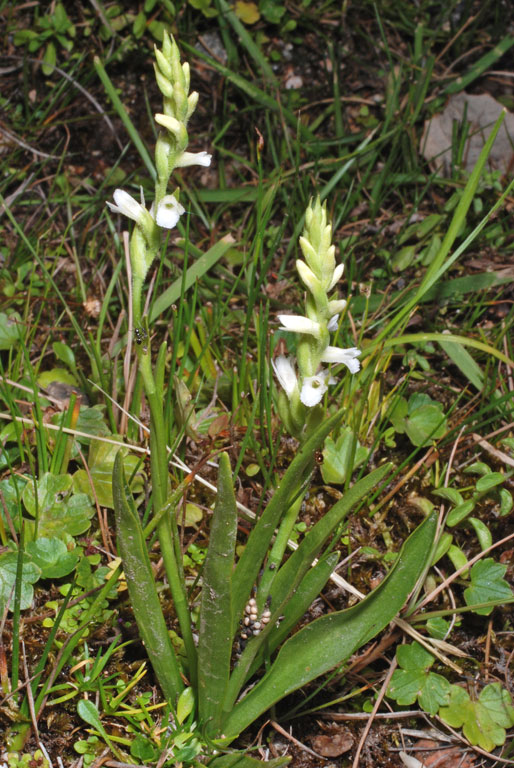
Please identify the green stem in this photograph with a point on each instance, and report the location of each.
(166, 530)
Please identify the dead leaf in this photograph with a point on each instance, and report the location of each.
(447, 757)
(333, 745)
(481, 112)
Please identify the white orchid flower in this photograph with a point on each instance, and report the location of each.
(126, 205)
(347, 357)
(299, 324)
(313, 388)
(285, 373)
(333, 323)
(193, 158)
(169, 212)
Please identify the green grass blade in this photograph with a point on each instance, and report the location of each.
(459, 355)
(439, 265)
(445, 338)
(256, 94)
(239, 760)
(246, 40)
(215, 622)
(481, 66)
(124, 117)
(198, 268)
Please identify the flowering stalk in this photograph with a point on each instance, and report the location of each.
(170, 153)
(300, 397)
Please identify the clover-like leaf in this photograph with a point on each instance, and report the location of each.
(30, 573)
(337, 454)
(487, 583)
(12, 488)
(52, 557)
(425, 424)
(498, 703)
(58, 511)
(481, 720)
(11, 327)
(101, 463)
(414, 681)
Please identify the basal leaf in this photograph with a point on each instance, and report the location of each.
(425, 424)
(498, 703)
(332, 639)
(487, 583)
(101, 463)
(215, 622)
(415, 682)
(58, 511)
(12, 490)
(29, 575)
(337, 455)
(478, 718)
(52, 556)
(10, 330)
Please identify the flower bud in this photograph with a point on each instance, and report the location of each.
(163, 83)
(308, 277)
(170, 123)
(187, 75)
(192, 101)
(310, 255)
(337, 275)
(336, 306)
(163, 64)
(285, 373)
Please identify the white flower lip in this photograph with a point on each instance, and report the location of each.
(194, 158)
(285, 373)
(169, 212)
(299, 324)
(333, 323)
(347, 357)
(313, 389)
(126, 205)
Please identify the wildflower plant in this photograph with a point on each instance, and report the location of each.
(249, 605)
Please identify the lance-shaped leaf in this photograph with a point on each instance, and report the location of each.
(238, 760)
(289, 578)
(215, 625)
(141, 586)
(332, 639)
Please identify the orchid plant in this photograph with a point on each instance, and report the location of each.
(236, 659)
